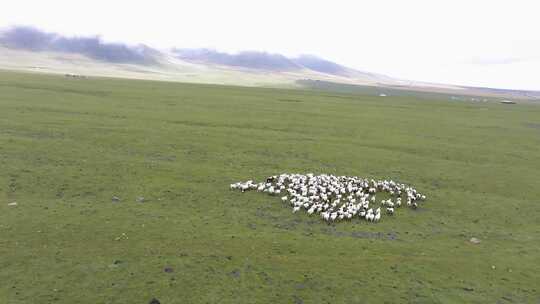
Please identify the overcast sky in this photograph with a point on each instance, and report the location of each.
(474, 42)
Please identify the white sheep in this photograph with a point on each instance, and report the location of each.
(323, 193)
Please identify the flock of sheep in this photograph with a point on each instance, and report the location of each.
(336, 198)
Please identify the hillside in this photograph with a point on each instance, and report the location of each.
(29, 49)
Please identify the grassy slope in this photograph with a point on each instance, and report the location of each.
(68, 145)
(61, 63)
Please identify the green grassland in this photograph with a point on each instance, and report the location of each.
(67, 146)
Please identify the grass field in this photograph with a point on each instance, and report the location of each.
(67, 146)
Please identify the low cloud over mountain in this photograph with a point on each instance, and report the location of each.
(248, 59)
(31, 39)
(35, 40)
(266, 61)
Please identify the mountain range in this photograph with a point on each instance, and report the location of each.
(30, 49)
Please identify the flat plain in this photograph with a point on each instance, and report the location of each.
(121, 191)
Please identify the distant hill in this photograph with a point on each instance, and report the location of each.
(30, 49)
(269, 62)
(323, 66)
(247, 59)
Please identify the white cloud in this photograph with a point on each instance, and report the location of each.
(436, 41)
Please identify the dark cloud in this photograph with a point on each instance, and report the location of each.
(28, 38)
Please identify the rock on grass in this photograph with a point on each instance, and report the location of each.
(474, 240)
